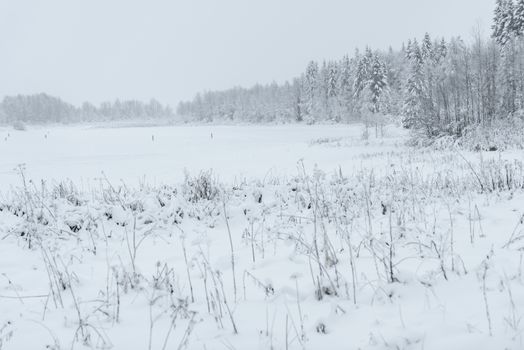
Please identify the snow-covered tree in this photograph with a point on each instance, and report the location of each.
(519, 18)
(345, 86)
(503, 22)
(311, 88)
(427, 48)
(377, 83)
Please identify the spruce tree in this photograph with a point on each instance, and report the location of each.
(360, 77)
(442, 49)
(503, 22)
(427, 48)
(416, 53)
(509, 19)
(332, 80)
(344, 81)
(497, 26)
(311, 85)
(323, 90)
(345, 85)
(409, 50)
(414, 88)
(519, 18)
(377, 82)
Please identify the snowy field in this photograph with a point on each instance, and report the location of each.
(161, 154)
(303, 237)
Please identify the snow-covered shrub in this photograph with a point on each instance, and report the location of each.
(203, 186)
(500, 175)
(68, 191)
(20, 126)
(500, 135)
(325, 141)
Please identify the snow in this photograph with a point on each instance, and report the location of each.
(72, 278)
(83, 153)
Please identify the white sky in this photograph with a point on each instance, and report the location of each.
(103, 49)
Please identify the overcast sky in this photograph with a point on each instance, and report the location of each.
(103, 49)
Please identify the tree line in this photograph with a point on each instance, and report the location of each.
(436, 86)
(42, 108)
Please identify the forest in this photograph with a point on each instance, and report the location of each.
(43, 108)
(436, 86)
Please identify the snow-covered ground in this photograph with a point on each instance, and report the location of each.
(379, 246)
(162, 153)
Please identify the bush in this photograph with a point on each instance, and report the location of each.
(497, 136)
(18, 125)
(204, 186)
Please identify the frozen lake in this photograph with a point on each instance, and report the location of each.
(161, 154)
